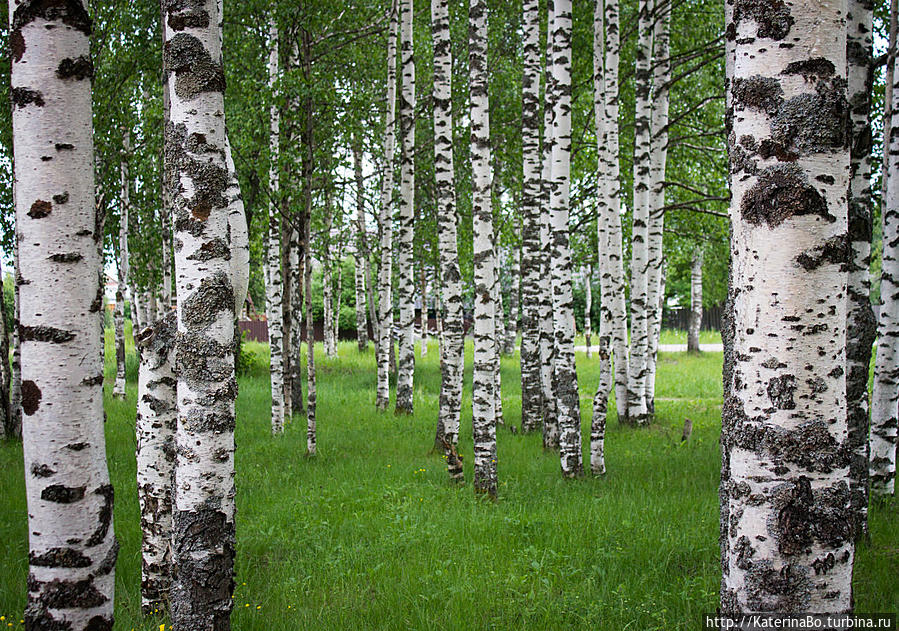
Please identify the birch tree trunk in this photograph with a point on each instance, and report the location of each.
(567, 398)
(157, 415)
(788, 533)
(511, 336)
(640, 305)
(612, 288)
(601, 397)
(451, 343)
(405, 278)
(423, 322)
(296, 254)
(328, 285)
(385, 272)
(15, 386)
(338, 299)
(7, 424)
(861, 323)
(658, 164)
(311, 431)
(197, 179)
(547, 341)
(71, 543)
(484, 380)
(274, 291)
(531, 198)
(240, 235)
(498, 333)
(695, 303)
(588, 306)
(118, 390)
(885, 396)
(360, 258)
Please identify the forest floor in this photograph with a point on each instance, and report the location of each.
(370, 534)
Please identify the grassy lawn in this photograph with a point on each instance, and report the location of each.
(370, 534)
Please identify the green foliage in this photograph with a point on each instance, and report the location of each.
(245, 359)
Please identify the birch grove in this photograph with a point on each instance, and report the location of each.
(72, 547)
(789, 536)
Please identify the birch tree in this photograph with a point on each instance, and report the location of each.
(405, 278)
(157, 414)
(118, 390)
(71, 542)
(197, 178)
(484, 380)
(311, 391)
(531, 255)
(273, 294)
(787, 537)
(360, 255)
(565, 374)
(588, 306)
(661, 70)
(511, 336)
(861, 323)
(640, 305)
(695, 303)
(385, 271)
(451, 344)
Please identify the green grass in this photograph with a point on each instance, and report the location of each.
(372, 535)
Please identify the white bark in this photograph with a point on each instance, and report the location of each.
(118, 390)
(637, 412)
(157, 415)
(588, 307)
(695, 303)
(547, 338)
(71, 541)
(423, 321)
(240, 236)
(360, 252)
(531, 254)
(197, 178)
(450, 328)
(788, 536)
(483, 397)
(274, 306)
(567, 398)
(885, 395)
(511, 336)
(385, 272)
(405, 271)
(656, 198)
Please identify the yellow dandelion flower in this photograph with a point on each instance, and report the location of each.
(258, 606)
(247, 605)
(162, 627)
(2, 618)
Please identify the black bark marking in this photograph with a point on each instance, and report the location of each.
(826, 179)
(31, 397)
(758, 92)
(768, 589)
(40, 209)
(193, 19)
(92, 381)
(77, 446)
(66, 257)
(817, 67)
(772, 17)
(58, 594)
(64, 146)
(781, 390)
(781, 192)
(99, 623)
(79, 68)
(62, 198)
(70, 12)
(835, 250)
(215, 249)
(203, 591)
(23, 96)
(60, 557)
(16, 45)
(41, 471)
(806, 516)
(38, 619)
(769, 148)
(104, 517)
(814, 123)
(214, 295)
(45, 334)
(195, 71)
(810, 446)
(62, 494)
